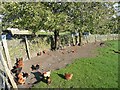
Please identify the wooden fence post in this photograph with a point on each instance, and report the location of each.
(27, 48)
(14, 85)
(5, 46)
(95, 38)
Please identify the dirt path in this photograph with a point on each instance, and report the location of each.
(54, 60)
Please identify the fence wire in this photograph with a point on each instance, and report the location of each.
(17, 46)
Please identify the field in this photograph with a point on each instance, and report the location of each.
(98, 72)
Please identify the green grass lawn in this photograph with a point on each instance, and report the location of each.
(98, 72)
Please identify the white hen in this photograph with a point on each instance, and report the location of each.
(47, 74)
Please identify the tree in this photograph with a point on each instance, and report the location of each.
(24, 15)
(56, 20)
(93, 17)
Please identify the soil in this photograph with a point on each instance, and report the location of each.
(54, 60)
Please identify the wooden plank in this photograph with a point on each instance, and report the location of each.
(27, 48)
(5, 46)
(14, 85)
(21, 32)
(16, 31)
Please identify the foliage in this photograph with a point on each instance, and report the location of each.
(24, 15)
(94, 17)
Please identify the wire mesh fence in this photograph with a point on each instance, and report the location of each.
(17, 46)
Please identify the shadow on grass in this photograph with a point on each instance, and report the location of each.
(61, 75)
(39, 77)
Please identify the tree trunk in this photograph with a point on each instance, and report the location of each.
(80, 36)
(72, 40)
(56, 36)
(52, 42)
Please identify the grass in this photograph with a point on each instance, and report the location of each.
(98, 72)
